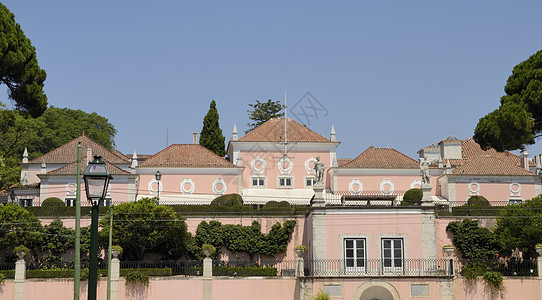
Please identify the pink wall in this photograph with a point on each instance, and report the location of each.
(494, 191)
(517, 288)
(171, 183)
(371, 225)
(371, 183)
(119, 192)
(272, 170)
(250, 289)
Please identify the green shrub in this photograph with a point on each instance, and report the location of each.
(228, 200)
(412, 197)
(208, 250)
(321, 295)
(478, 201)
(53, 202)
(2, 277)
(493, 279)
(21, 248)
(135, 277)
(277, 206)
(244, 271)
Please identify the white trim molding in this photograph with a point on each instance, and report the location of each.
(255, 170)
(69, 187)
(383, 184)
(515, 189)
(224, 186)
(151, 183)
(416, 182)
(310, 171)
(192, 186)
(474, 188)
(355, 182)
(280, 164)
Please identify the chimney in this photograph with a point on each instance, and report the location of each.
(524, 159)
(43, 168)
(89, 155)
(195, 139)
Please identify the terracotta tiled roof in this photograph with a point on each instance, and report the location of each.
(67, 153)
(186, 156)
(381, 158)
(490, 165)
(71, 169)
(450, 138)
(342, 161)
(273, 131)
(470, 150)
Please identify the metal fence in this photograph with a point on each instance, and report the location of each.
(377, 198)
(507, 267)
(7, 266)
(376, 267)
(254, 268)
(181, 267)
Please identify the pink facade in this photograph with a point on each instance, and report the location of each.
(175, 182)
(495, 191)
(376, 182)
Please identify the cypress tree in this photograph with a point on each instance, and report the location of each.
(211, 135)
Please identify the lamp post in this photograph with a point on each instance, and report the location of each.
(158, 176)
(96, 181)
(12, 196)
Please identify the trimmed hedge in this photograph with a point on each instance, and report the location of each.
(228, 200)
(68, 273)
(53, 202)
(412, 197)
(478, 201)
(244, 271)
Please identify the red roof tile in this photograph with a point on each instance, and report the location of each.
(67, 153)
(470, 150)
(490, 165)
(186, 156)
(381, 158)
(71, 169)
(273, 131)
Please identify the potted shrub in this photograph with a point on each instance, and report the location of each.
(116, 250)
(300, 250)
(448, 250)
(21, 251)
(208, 250)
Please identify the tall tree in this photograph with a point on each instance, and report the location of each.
(263, 111)
(19, 69)
(518, 120)
(211, 135)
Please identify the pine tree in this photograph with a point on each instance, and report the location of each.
(263, 111)
(211, 136)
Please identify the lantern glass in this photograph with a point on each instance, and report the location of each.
(96, 180)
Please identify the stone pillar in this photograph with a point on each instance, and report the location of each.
(299, 267)
(20, 272)
(318, 199)
(539, 266)
(427, 200)
(115, 275)
(207, 278)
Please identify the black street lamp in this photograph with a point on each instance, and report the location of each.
(158, 176)
(96, 182)
(12, 196)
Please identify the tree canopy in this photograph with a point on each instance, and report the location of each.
(518, 120)
(19, 69)
(143, 226)
(264, 111)
(211, 135)
(54, 128)
(520, 226)
(472, 241)
(18, 227)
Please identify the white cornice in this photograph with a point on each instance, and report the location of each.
(152, 170)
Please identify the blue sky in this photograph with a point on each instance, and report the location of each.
(400, 74)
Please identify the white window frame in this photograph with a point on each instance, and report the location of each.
(70, 201)
(307, 178)
(252, 178)
(25, 201)
(285, 186)
(359, 263)
(391, 262)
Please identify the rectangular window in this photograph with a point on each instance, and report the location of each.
(258, 181)
(70, 202)
(514, 201)
(285, 182)
(392, 255)
(26, 202)
(310, 181)
(354, 255)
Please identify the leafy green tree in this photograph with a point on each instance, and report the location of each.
(143, 226)
(520, 227)
(518, 120)
(18, 227)
(19, 69)
(211, 135)
(56, 240)
(472, 241)
(412, 197)
(261, 112)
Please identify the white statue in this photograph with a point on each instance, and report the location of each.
(424, 170)
(319, 168)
